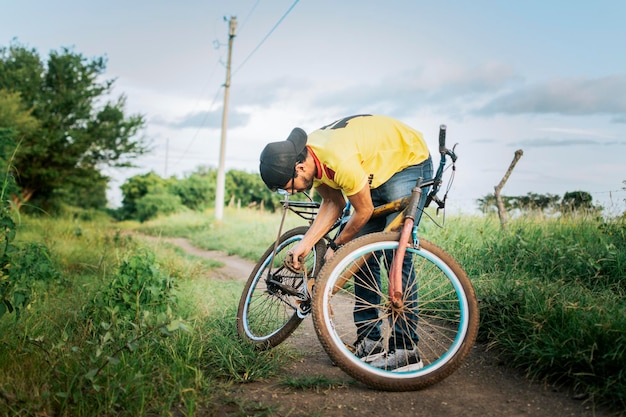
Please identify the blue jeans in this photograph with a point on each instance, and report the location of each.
(365, 313)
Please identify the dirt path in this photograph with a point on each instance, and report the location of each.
(235, 268)
(483, 386)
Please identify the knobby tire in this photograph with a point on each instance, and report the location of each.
(267, 315)
(447, 310)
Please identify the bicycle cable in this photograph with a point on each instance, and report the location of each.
(441, 203)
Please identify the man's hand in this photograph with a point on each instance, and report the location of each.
(297, 267)
(297, 255)
(329, 254)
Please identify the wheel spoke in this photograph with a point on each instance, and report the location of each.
(439, 313)
(271, 309)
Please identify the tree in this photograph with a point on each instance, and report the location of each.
(576, 201)
(88, 191)
(572, 201)
(135, 188)
(14, 115)
(13, 119)
(533, 201)
(80, 129)
(249, 189)
(197, 191)
(156, 202)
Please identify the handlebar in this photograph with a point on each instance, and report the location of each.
(442, 144)
(442, 139)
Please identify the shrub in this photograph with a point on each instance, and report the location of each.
(158, 202)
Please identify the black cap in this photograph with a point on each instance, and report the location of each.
(278, 159)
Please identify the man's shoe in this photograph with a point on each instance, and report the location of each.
(368, 349)
(400, 360)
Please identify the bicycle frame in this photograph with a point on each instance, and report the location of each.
(409, 226)
(395, 275)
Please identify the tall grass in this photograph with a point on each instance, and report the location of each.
(243, 232)
(552, 290)
(101, 344)
(551, 295)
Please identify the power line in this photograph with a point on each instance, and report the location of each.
(608, 192)
(202, 124)
(206, 116)
(241, 26)
(266, 36)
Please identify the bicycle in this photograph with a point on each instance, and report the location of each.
(270, 309)
(276, 299)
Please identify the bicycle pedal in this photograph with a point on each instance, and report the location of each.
(303, 308)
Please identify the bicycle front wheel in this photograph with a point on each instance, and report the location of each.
(275, 301)
(435, 327)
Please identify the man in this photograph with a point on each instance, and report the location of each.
(371, 160)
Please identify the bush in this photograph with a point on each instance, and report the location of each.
(552, 297)
(26, 270)
(139, 293)
(157, 203)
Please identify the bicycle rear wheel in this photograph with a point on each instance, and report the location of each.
(446, 310)
(273, 305)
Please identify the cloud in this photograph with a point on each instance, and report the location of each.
(211, 119)
(547, 142)
(264, 94)
(576, 132)
(571, 97)
(451, 82)
(437, 86)
(485, 141)
(244, 99)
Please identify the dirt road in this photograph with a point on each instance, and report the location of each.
(483, 386)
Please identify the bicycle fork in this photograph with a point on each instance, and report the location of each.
(395, 275)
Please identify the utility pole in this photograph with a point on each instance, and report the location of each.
(167, 151)
(221, 174)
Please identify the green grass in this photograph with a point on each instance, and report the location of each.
(75, 352)
(552, 298)
(246, 233)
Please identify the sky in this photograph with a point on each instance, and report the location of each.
(544, 76)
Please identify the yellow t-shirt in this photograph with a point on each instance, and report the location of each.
(358, 149)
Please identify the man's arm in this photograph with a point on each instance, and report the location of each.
(333, 203)
(363, 209)
(330, 210)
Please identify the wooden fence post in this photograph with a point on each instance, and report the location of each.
(498, 188)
